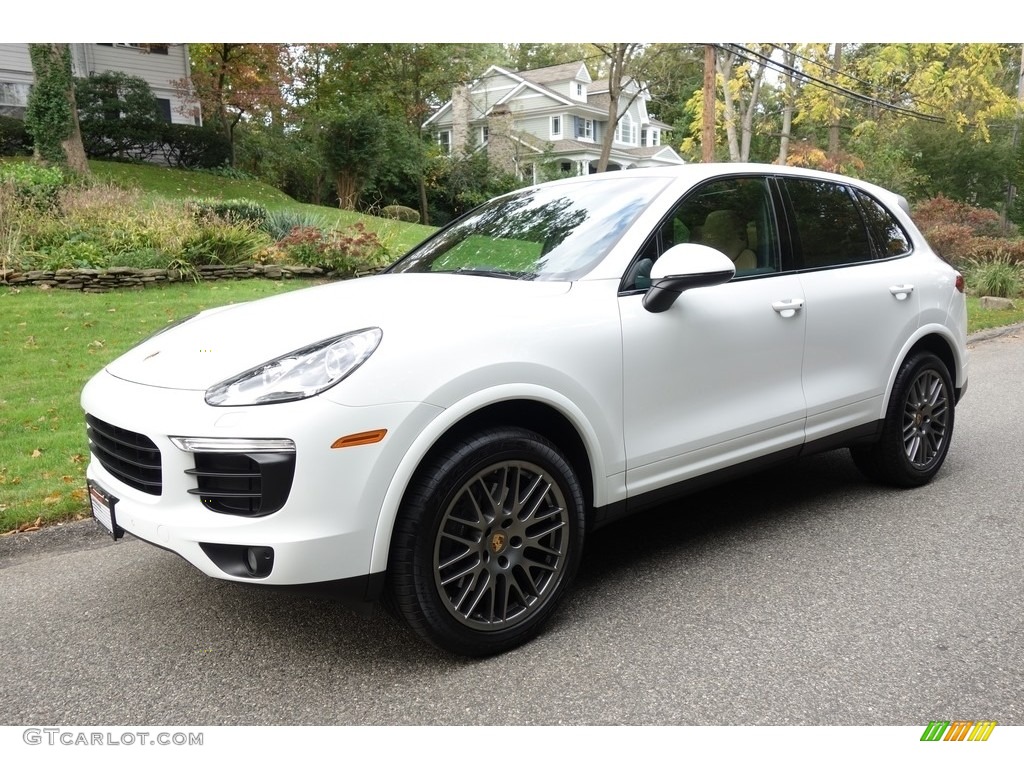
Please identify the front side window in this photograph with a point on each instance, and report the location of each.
(444, 139)
(734, 216)
(829, 229)
(556, 127)
(544, 233)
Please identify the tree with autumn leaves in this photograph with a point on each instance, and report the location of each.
(888, 112)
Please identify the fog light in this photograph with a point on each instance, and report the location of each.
(259, 560)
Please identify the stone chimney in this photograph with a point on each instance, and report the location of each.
(461, 106)
(501, 149)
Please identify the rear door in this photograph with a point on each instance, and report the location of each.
(862, 300)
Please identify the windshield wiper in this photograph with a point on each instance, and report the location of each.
(494, 272)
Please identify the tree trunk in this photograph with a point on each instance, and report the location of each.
(52, 115)
(833, 131)
(347, 188)
(723, 65)
(707, 134)
(789, 59)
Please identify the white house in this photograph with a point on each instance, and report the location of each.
(552, 115)
(159, 64)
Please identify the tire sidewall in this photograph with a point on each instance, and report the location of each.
(432, 492)
(906, 472)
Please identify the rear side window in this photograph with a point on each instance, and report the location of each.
(891, 239)
(827, 224)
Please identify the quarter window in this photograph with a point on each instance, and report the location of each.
(888, 234)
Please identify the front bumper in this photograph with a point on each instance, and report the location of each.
(325, 529)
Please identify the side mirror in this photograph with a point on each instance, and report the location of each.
(683, 267)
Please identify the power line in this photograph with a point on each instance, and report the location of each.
(754, 57)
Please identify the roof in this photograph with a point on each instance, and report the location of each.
(557, 74)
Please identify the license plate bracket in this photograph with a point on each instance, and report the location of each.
(103, 503)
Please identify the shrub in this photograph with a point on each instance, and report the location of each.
(14, 137)
(228, 210)
(33, 185)
(117, 114)
(278, 224)
(999, 277)
(194, 147)
(344, 252)
(938, 211)
(223, 243)
(75, 253)
(401, 213)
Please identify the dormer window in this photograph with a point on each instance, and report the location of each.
(579, 91)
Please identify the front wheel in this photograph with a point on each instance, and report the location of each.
(918, 426)
(487, 541)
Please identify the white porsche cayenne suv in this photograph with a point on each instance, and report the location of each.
(446, 434)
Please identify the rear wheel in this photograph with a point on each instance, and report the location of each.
(918, 426)
(487, 542)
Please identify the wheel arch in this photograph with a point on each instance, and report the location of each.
(938, 343)
(543, 413)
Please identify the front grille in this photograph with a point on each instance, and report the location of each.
(249, 484)
(132, 458)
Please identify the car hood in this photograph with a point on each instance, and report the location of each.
(224, 342)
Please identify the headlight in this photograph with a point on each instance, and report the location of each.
(299, 374)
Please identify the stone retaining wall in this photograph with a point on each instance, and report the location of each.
(101, 280)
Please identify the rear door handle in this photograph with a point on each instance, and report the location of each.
(901, 292)
(788, 307)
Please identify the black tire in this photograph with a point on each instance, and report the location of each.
(917, 428)
(488, 539)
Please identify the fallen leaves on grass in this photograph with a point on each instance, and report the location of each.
(36, 453)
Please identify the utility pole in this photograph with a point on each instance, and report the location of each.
(707, 134)
(833, 130)
(1011, 187)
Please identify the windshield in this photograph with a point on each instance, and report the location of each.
(557, 232)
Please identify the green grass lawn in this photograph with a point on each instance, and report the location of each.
(51, 343)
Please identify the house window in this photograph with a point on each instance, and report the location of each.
(163, 109)
(484, 135)
(580, 92)
(444, 138)
(624, 130)
(556, 127)
(161, 48)
(584, 129)
(649, 137)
